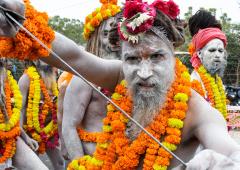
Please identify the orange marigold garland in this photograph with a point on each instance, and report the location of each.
(93, 20)
(214, 89)
(196, 85)
(44, 132)
(23, 46)
(10, 130)
(116, 151)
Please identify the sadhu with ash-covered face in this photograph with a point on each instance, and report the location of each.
(179, 116)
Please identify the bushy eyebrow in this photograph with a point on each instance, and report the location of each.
(160, 51)
(126, 55)
(132, 53)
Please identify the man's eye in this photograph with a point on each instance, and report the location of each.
(220, 50)
(132, 59)
(212, 50)
(157, 57)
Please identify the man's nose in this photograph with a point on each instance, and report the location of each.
(145, 72)
(218, 54)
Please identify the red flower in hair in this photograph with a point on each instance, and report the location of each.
(173, 9)
(134, 7)
(161, 5)
(143, 27)
(138, 17)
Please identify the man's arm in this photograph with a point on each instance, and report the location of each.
(62, 90)
(17, 6)
(210, 127)
(104, 73)
(76, 101)
(24, 87)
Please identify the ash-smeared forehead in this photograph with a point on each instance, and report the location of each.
(149, 43)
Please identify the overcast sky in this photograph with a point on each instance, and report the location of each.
(80, 8)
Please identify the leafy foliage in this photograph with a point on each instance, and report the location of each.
(71, 28)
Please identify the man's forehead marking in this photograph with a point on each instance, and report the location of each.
(151, 51)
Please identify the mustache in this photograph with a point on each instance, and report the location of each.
(151, 82)
(218, 68)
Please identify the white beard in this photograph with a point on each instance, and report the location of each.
(147, 105)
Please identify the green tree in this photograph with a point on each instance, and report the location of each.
(71, 28)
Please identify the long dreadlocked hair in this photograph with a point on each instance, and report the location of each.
(94, 43)
(202, 19)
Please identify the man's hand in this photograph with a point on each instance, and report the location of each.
(7, 165)
(64, 152)
(211, 160)
(7, 27)
(32, 144)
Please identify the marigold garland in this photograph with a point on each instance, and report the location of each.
(214, 89)
(116, 151)
(23, 46)
(10, 130)
(36, 113)
(196, 85)
(93, 20)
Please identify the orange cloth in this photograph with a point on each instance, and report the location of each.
(64, 76)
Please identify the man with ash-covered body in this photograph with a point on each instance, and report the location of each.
(148, 66)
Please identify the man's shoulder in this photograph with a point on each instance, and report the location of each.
(77, 84)
(200, 111)
(24, 78)
(24, 83)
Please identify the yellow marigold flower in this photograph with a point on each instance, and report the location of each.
(108, 12)
(116, 96)
(48, 128)
(124, 119)
(159, 167)
(89, 26)
(186, 75)
(181, 97)
(123, 83)
(103, 145)
(99, 17)
(98, 9)
(74, 164)
(175, 123)
(2, 127)
(96, 162)
(107, 128)
(110, 108)
(202, 69)
(81, 167)
(7, 127)
(170, 146)
(87, 157)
